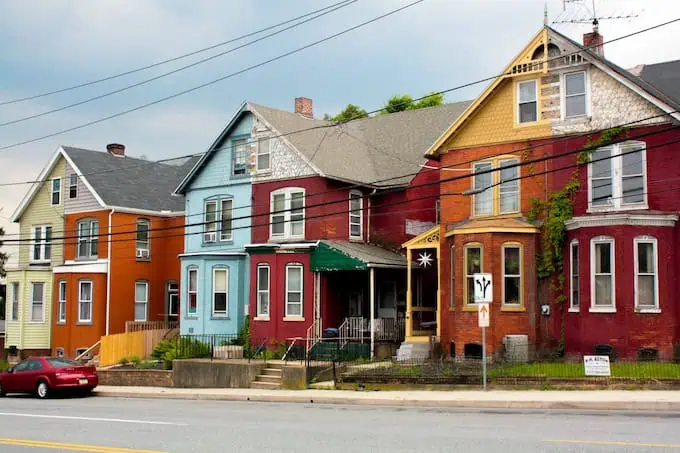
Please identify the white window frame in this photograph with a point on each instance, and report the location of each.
(43, 244)
(53, 192)
(172, 294)
(287, 192)
(586, 94)
(290, 266)
(71, 185)
(225, 313)
(617, 178)
(489, 189)
(602, 308)
(14, 305)
(61, 307)
(143, 251)
(574, 308)
(210, 235)
(518, 102)
(356, 195)
(229, 236)
(657, 306)
(189, 313)
(82, 301)
(261, 314)
(234, 155)
(512, 245)
(89, 238)
(144, 302)
(261, 152)
(497, 174)
(30, 317)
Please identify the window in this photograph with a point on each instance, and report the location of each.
(602, 276)
(143, 238)
(617, 176)
(512, 275)
(73, 186)
(14, 308)
(192, 292)
(61, 308)
(646, 274)
(220, 289)
(37, 302)
(575, 94)
(59, 352)
(473, 265)
(225, 216)
(288, 213)
(55, 198)
(574, 299)
(527, 105)
(509, 186)
(506, 198)
(263, 290)
(294, 290)
(88, 239)
(42, 244)
(141, 300)
(210, 222)
(173, 299)
(84, 301)
(239, 157)
(356, 212)
(483, 201)
(263, 154)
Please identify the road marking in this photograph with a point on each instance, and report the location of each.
(614, 443)
(91, 419)
(71, 447)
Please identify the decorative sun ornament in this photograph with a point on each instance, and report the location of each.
(425, 259)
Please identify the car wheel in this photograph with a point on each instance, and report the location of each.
(42, 390)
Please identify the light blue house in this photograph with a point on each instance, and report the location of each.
(214, 265)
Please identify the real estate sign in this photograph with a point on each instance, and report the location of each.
(597, 365)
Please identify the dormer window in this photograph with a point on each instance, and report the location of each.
(527, 102)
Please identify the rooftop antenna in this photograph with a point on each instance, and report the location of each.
(545, 14)
(590, 17)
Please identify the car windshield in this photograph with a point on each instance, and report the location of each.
(57, 363)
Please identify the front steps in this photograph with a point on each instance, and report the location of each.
(269, 378)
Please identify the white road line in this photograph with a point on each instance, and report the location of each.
(91, 419)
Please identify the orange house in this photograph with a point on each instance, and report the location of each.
(122, 239)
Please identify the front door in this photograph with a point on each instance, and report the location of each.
(355, 303)
(387, 294)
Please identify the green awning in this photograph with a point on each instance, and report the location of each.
(352, 256)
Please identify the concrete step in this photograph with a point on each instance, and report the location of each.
(272, 372)
(265, 378)
(275, 365)
(265, 385)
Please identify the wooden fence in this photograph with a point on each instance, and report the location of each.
(140, 344)
(138, 326)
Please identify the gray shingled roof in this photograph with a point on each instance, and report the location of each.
(129, 182)
(665, 77)
(367, 150)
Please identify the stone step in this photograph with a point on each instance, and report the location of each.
(265, 385)
(265, 378)
(272, 372)
(275, 365)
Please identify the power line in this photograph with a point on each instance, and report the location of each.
(170, 60)
(180, 69)
(214, 81)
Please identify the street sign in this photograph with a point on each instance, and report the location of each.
(597, 365)
(484, 314)
(483, 288)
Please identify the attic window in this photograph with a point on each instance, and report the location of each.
(240, 157)
(553, 51)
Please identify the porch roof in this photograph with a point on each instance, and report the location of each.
(496, 225)
(333, 255)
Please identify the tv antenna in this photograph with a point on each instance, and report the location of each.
(588, 15)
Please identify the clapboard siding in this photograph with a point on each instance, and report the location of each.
(84, 201)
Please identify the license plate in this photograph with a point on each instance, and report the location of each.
(82, 381)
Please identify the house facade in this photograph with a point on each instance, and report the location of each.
(218, 199)
(518, 147)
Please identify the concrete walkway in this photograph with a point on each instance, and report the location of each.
(582, 400)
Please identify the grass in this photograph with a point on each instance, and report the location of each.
(644, 370)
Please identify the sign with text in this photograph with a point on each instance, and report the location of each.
(597, 365)
(484, 312)
(483, 288)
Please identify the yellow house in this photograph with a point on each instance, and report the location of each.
(29, 285)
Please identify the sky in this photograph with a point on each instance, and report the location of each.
(435, 45)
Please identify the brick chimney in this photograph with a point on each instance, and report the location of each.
(116, 149)
(596, 40)
(303, 106)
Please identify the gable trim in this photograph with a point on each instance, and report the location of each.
(82, 177)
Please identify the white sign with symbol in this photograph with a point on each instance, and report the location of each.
(484, 314)
(597, 365)
(483, 288)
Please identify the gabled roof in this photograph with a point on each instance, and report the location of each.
(367, 150)
(663, 76)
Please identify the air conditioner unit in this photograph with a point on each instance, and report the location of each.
(516, 348)
(210, 237)
(141, 253)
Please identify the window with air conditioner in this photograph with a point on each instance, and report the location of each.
(143, 240)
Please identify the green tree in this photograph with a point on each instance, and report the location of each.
(402, 102)
(432, 100)
(351, 112)
(3, 256)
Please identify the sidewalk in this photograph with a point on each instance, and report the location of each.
(582, 400)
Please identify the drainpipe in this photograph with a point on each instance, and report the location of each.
(108, 275)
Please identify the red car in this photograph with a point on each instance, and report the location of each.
(44, 375)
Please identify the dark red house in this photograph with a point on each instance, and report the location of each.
(330, 211)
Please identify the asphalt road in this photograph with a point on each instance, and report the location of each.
(112, 425)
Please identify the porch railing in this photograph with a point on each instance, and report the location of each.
(314, 333)
(140, 326)
(358, 329)
(352, 328)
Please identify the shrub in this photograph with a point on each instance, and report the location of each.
(136, 361)
(163, 347)
(185, 348)
(124, 361)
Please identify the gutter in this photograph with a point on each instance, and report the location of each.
(108, 275)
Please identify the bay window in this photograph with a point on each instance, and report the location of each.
(602, 274)
(574, 299)
(512, 275)
(294, 291)
(472, 265)
(141, 301)
(220, 299)
(192, 292)
(84, 301)
(61, 308)
(263, 290)
(37, 302)
(646, 274)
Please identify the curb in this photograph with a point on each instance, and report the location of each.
(659, 406)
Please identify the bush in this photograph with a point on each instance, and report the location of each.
(124, 361)
(163, 347)
(185, 348)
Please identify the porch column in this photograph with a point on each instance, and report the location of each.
(409, 296)
(371, 289)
